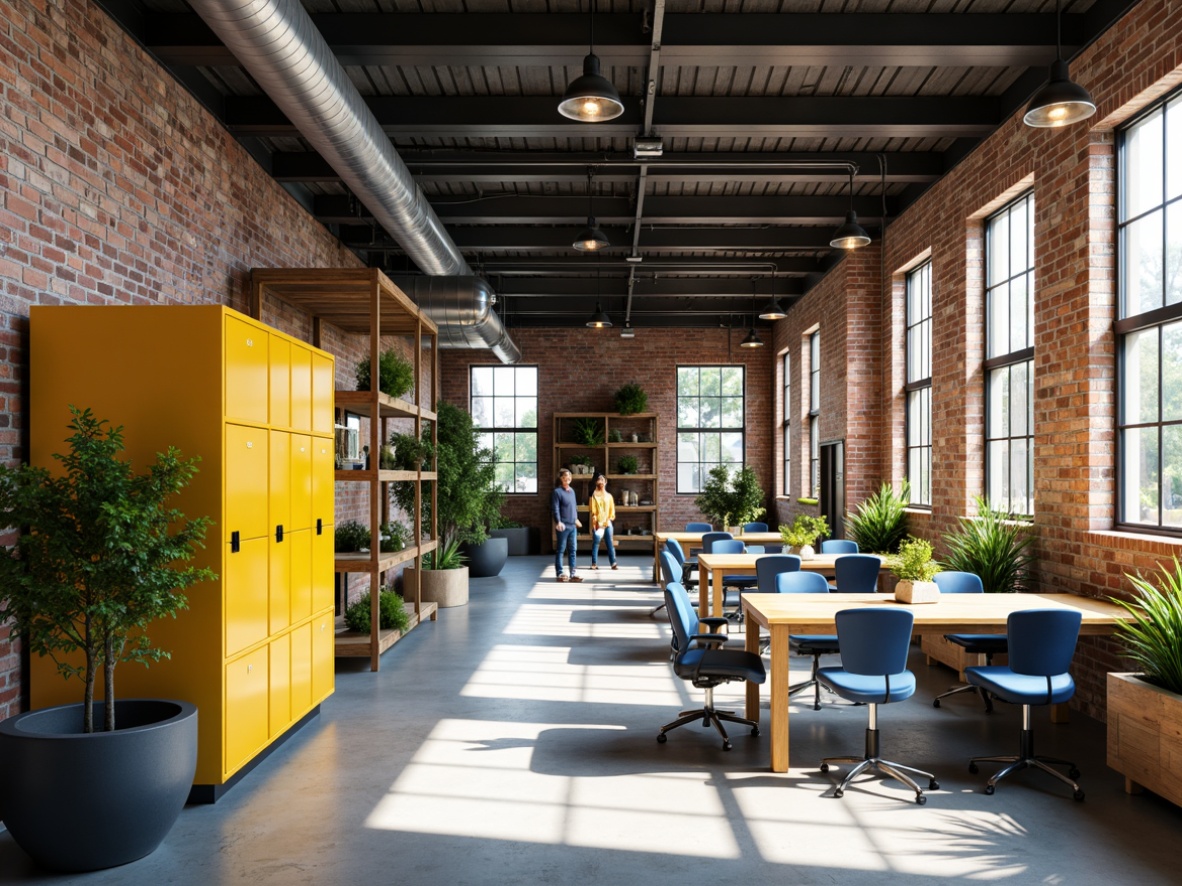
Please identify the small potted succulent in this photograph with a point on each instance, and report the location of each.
(914, 568)
(802, 534)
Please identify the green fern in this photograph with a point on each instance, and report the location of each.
(1154, 638)
(880, 523)
(994, 545)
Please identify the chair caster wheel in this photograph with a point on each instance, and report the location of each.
(839, 793)
(755, 730)
(989, 789)
(662, 738)
(935, 702)
(1073, 772)
(1078, 795)
(816, 707)
(921, 800)
(824, 767)
(726, 745)
(972, 768)
(933, 785)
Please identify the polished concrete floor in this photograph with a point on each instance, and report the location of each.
(513, 741)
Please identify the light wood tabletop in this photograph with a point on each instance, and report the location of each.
(713, 567)
(689, 540)
(785, 614)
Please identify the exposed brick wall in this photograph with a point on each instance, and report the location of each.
(579, 370)
(116, 187)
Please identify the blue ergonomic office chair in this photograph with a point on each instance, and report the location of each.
(673, 546)
(701, 660)
(988, 645)
(874, 644)
(670, 571)
(739, 583)
(839, 546)
(815, 645)
(766, 570)
(857, 573)
(1041, 646)
(698, 527)
(758, 549)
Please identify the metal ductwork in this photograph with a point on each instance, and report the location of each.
(276, 41)
(462, 308)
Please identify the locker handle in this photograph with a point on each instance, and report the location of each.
(319, 526)
(235, 542)
(279, 532)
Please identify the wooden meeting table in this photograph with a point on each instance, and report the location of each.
(690, 540)
(713, 567)
(785, 614)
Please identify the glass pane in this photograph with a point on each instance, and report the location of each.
(999, 402)
(711, 451)
(687, 413)
(998, 456)
(1173, 293)
(999, 321)
(732, 448)
(1019, 232)
(1143, 166)
(504, 448)
(1020, 332)
(711, 379)
(1141, 377)
(484, 441)
(527, 447)
(503, 476)
(732, 412)
(1171, 358)
(527, 381)
(925, 346)
(687, 477)
(504, 416)
(1142, 265)
(482, 412)
(687, 381)
(503, 380)
(482, 380)
(998, 247)
(1141, 475)
(1173, 145)
(710, 412)
(1018, 490)
(815, 391)
(1019, 405)
(527, 412)
(1171, 480)
(732, 381)
(687, 448)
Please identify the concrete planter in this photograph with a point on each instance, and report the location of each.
(444, 587)
(83, 802)
(1145, 736)
(916, 591)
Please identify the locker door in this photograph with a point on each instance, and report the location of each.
(301, 671)
(300, 581)
(279, 585)
(323, 632)
(247, 371)
(323, 389)
(323, 572)
(279, 682)
(280, 382)
(246, 482)
(279, 488)
(301, 480)
(246, 597)
(247, 707)
(301, 388)
(323, 482)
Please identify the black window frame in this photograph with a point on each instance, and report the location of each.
(786, 422)
(705, 465)
(918, 390)
(516, 431)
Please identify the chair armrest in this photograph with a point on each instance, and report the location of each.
(709, 640)
(714, 622)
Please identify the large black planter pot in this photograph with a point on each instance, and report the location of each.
(78, 802)
(487, 558)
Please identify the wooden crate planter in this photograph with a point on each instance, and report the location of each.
(937, 649)
(1145, 736)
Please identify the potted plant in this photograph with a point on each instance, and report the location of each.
(802, 534)
(351, 537)
(522, 540)
(880, 523)
(411, 452)
(914, 568)
(394, 536)
(1145, 708)
(627, 464)
(396, 375)
(994, 545)
(730, 500)
(588, 431)
(615, 436)
(631, 399)
(99, 558)
(392, 614)
(581, 464)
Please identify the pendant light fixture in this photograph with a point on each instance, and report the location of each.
(627, 331)
(1061, 101)
(850, 235)
(772, 310)
(591, 238)
(752, 340)
(600, 319)
(591, 98)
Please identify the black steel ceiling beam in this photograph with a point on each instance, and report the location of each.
(554, 266)
(511, 209)
(662, 287)
(538, 117)
(689, 39)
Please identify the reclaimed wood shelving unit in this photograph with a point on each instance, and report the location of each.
(365, 302)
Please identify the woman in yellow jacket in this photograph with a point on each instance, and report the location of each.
(603, 510)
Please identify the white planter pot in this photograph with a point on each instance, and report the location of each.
(917, 592)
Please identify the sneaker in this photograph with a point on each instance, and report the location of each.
(576, 578)
(614, 566)
(563, 578)
(593, 566)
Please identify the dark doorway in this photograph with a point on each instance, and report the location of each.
(832, 498)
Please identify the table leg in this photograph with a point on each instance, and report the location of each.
(778, 716)
(703, 590)
(751, 643)
(656, 561)
(719, 593)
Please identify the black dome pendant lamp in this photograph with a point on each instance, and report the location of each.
(1061, 101)
(591, 98)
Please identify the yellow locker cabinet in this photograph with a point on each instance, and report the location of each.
(254, 649)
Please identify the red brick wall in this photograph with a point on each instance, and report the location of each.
(117, 187)
(579, 370)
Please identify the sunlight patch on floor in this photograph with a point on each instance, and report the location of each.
(573, 621)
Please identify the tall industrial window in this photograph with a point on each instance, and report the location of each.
(1149, 329)
(711, 417)
(1009, 357)
(919, 384)
(815, 415)
(787, 425)
(504, 408)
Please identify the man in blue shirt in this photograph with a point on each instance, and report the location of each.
(564, 508)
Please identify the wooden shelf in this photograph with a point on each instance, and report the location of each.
(384, 476)
(350, 644)
(631, 476)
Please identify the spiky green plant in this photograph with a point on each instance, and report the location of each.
(914, 561)
(994, 545)
(1154, 638)
(879, 524)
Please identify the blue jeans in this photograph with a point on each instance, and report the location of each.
(596, 537)
(565, 537)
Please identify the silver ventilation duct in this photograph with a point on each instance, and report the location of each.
(276, 41)
(462, 308)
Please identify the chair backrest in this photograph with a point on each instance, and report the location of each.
(839, 546)
(698, 527)
(728, 546)
(755, 527)
(670, 568)
(710, 538)
(1042, 641)
(673, 546)
(959, 583)
(801, 583)
(857, 573)
(874, 642)
(682, 617)
(767, 568)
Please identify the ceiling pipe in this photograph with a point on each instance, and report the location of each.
(277, 43)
